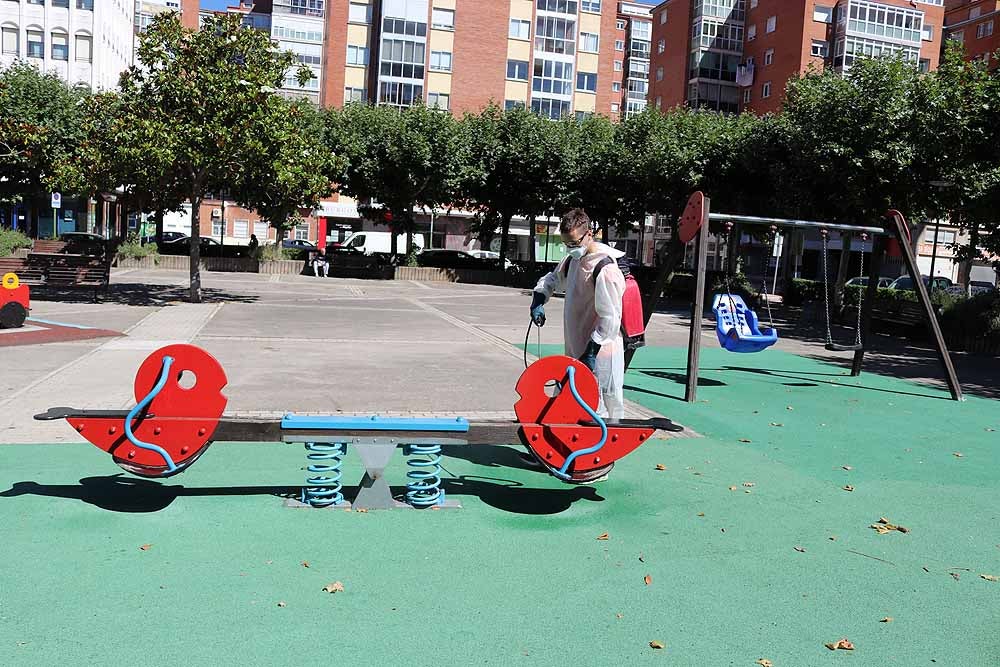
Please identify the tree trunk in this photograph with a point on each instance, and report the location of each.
(158, 217)
(531, 240)
(504, 235)
(33, 219)
(393, 244)
(195, 246)
(842, 267)
(605, 232)
(965, 271)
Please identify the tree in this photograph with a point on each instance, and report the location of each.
(40, 126)
(399, 159)
(510, 163)
(204, 103)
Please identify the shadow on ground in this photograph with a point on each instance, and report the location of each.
(138, 294)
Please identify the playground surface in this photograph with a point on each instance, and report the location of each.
(745, 545)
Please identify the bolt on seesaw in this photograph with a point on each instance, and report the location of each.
(171, 426)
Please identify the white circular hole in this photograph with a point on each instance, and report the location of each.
(187, 380)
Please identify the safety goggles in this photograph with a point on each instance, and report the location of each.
(577, 243)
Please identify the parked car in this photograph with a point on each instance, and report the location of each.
(298, 244)
(906, 283)
(167, 237)
(182, 245)
(862, 281)
(83, 243)
(453, 259)
(977, 287)
(489, 254)
(373, 242)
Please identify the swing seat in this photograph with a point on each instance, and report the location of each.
(736, 325)
(833, 347)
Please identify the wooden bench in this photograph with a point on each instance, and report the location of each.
(59, 270)
(907, 314)
(46, 246)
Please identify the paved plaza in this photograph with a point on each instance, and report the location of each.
(750, 539)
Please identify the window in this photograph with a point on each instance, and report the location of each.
(772, 23)
(663, 17)
(819, 48)
(928, 33)
(36, 44)
(620, 24)
(510, 105)
(301, 232)
(750, 62)
(552, 77)
(925, 65)
(561, 6)
(619, 45)
(822, 14)
(60, 46)
(659, 74)
(84, 48)
(552, 109)
(354, 95)
(398, 94)
(942, 236)
(401, 27)
(441, 61)
(984, 29)
(752, 32)
(753, 4)
(241, 229)
(555, 35)
(357, 55)
(8, 41)
(586, 81)
(616, 87)
(659, 102)
(402, 58)
(519, 29)
(42, 2)
(642, 30)
(443, 19)
(746, 96)
(618, 66)
(217, 228)
(439, 101)
(975, 12)
(60, 3)
(765, 91)
(614, 107)
(591, 6)
(260, 230)
(768, 57)
(517, 70)
(85, 4)
(360, 13)
(661, 45)
(958, 36)
(589, 42)
(885, 22)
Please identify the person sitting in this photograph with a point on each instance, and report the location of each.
(320, 261)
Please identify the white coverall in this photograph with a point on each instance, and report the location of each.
(594, 313)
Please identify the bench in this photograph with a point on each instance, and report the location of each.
(42, 245)
(59, 270)
(908, 314)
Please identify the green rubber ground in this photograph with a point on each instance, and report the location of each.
(519, 576)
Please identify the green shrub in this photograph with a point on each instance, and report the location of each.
(273, 253)
(11, 240)
(132, 249)
(804, 291)
(736, 284)
(976, 317)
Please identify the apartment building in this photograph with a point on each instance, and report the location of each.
(976, 25)
(82, 41)
(634, 29)
(732, 55)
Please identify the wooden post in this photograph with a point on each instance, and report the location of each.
(871, 293)
(697, 308)
(897, 222)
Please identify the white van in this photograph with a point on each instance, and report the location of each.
(371, 242)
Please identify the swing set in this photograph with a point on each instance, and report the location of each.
(737, 325)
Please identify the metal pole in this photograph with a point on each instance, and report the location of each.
(937, 228)
(222, 232)
(430, 241)
(784, 222)
(55, 224)
(697, 309)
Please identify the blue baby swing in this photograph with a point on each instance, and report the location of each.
(736, 325)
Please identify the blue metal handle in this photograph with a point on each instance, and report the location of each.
(164, 374)
(561, 473)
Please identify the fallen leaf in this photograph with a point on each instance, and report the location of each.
(924, 568)
(305, 563)
(648, 579)
(660, 466)
(749, 484)
(699, 473)
(842, 644)
(335, 587)
(618, 615)
(789, 408)
(145, 547)
(732, 488)
(882, 519)
(701, 514)
(848, 488)
(603, 536)
(642, 559)
(745, 440)
(776, 424)
(362, 510)
(958, 455)
(282, 604)
(655, 644)
(989, 577)
(268, 562)
(832, 538)
(847, 467)
(764, 662)
(991, 430)
(887, 619)
(955, 575)
(801, 550)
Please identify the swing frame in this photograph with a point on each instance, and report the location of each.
(892, 238)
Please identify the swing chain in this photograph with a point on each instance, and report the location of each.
(767, 300)
(826, 286)
(857, 329)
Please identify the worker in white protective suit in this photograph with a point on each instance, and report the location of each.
(592, 314)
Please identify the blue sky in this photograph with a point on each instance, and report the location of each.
(222, 4)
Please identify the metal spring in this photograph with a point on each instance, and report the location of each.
(324, 485)
(424, 489)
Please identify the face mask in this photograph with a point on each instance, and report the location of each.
(577, 253)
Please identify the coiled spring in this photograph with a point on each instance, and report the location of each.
(324, 487)
(424, 488)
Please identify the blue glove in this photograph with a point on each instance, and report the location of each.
(589, 357)
(538, 309)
